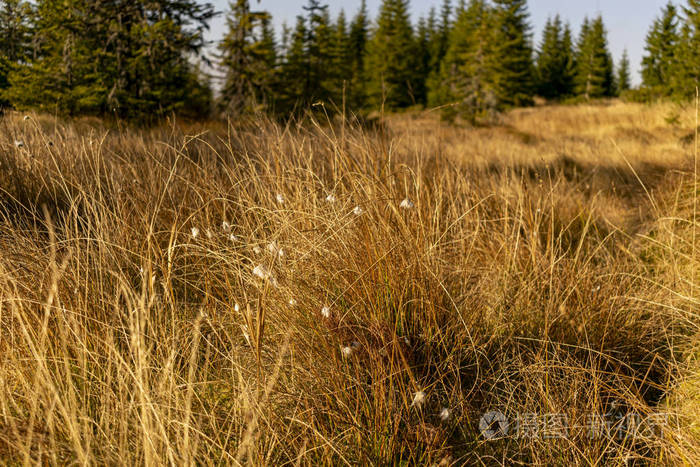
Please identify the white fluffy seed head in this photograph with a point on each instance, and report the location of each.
(275, 250)
(406, 204)
(264, 273)
(292, 302)
(418, 399)
(280, 198)
(330, 198)
(358, 210)
(326, 312)
(445, 414)
(233, 238)
(257, 250)
(236, 308)
(346, 351)
(195, 232)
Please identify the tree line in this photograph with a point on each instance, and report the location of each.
(140, 59)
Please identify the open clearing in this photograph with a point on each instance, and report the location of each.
(324, 294)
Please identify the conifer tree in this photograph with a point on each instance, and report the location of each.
(339, 74)
(292, 93)
(357, 42)
(441, 36)
(553, 61)
(391, 58)
(129, 58)
(594, 65)
(514, 70)
(439, 43)
(424, 36)
(661, 47)
(569, 72)
(623, 82)
(686, 67)
(15, 39)
(466, 86)
(247, 58)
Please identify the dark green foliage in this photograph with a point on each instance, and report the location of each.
(357, 43)
(248, 59)
(392, 59)
(555, 61)
(15, 40)
(594, 64)
(623, 74)
(514, 70)
(466, 86)
(661, 47)
(126, 58)
(686, 65)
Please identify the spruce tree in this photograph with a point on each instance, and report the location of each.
(247, 58)
(15, 39)
(686, 68)
(357, 42)
(514, 70)
(128, 58)
(661, 45)
(339, 74)
(318, 52)
(424, 36)
(555, 60)
(569, 72)
(594, 64)
(392, 61)
(466, 87)
(623, 82)
(292, 94)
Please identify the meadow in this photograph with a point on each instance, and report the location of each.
(327, 293)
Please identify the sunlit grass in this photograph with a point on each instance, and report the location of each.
(271, 294)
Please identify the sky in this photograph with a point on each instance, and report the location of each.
(627, 21)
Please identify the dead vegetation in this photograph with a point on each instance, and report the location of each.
(263, 294)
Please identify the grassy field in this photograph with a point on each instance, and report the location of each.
(326, 294)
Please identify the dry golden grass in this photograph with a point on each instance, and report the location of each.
(546, 265)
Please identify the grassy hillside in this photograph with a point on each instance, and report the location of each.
(324, 294)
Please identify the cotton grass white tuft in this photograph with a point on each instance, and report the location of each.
(275, 250)
(195, 232)
(418, 399)
(326, 312)
(406, 204)
(358, 211)
(264, 273)
(445, 414)
(280, 198)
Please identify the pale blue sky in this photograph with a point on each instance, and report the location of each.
(627, 20)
